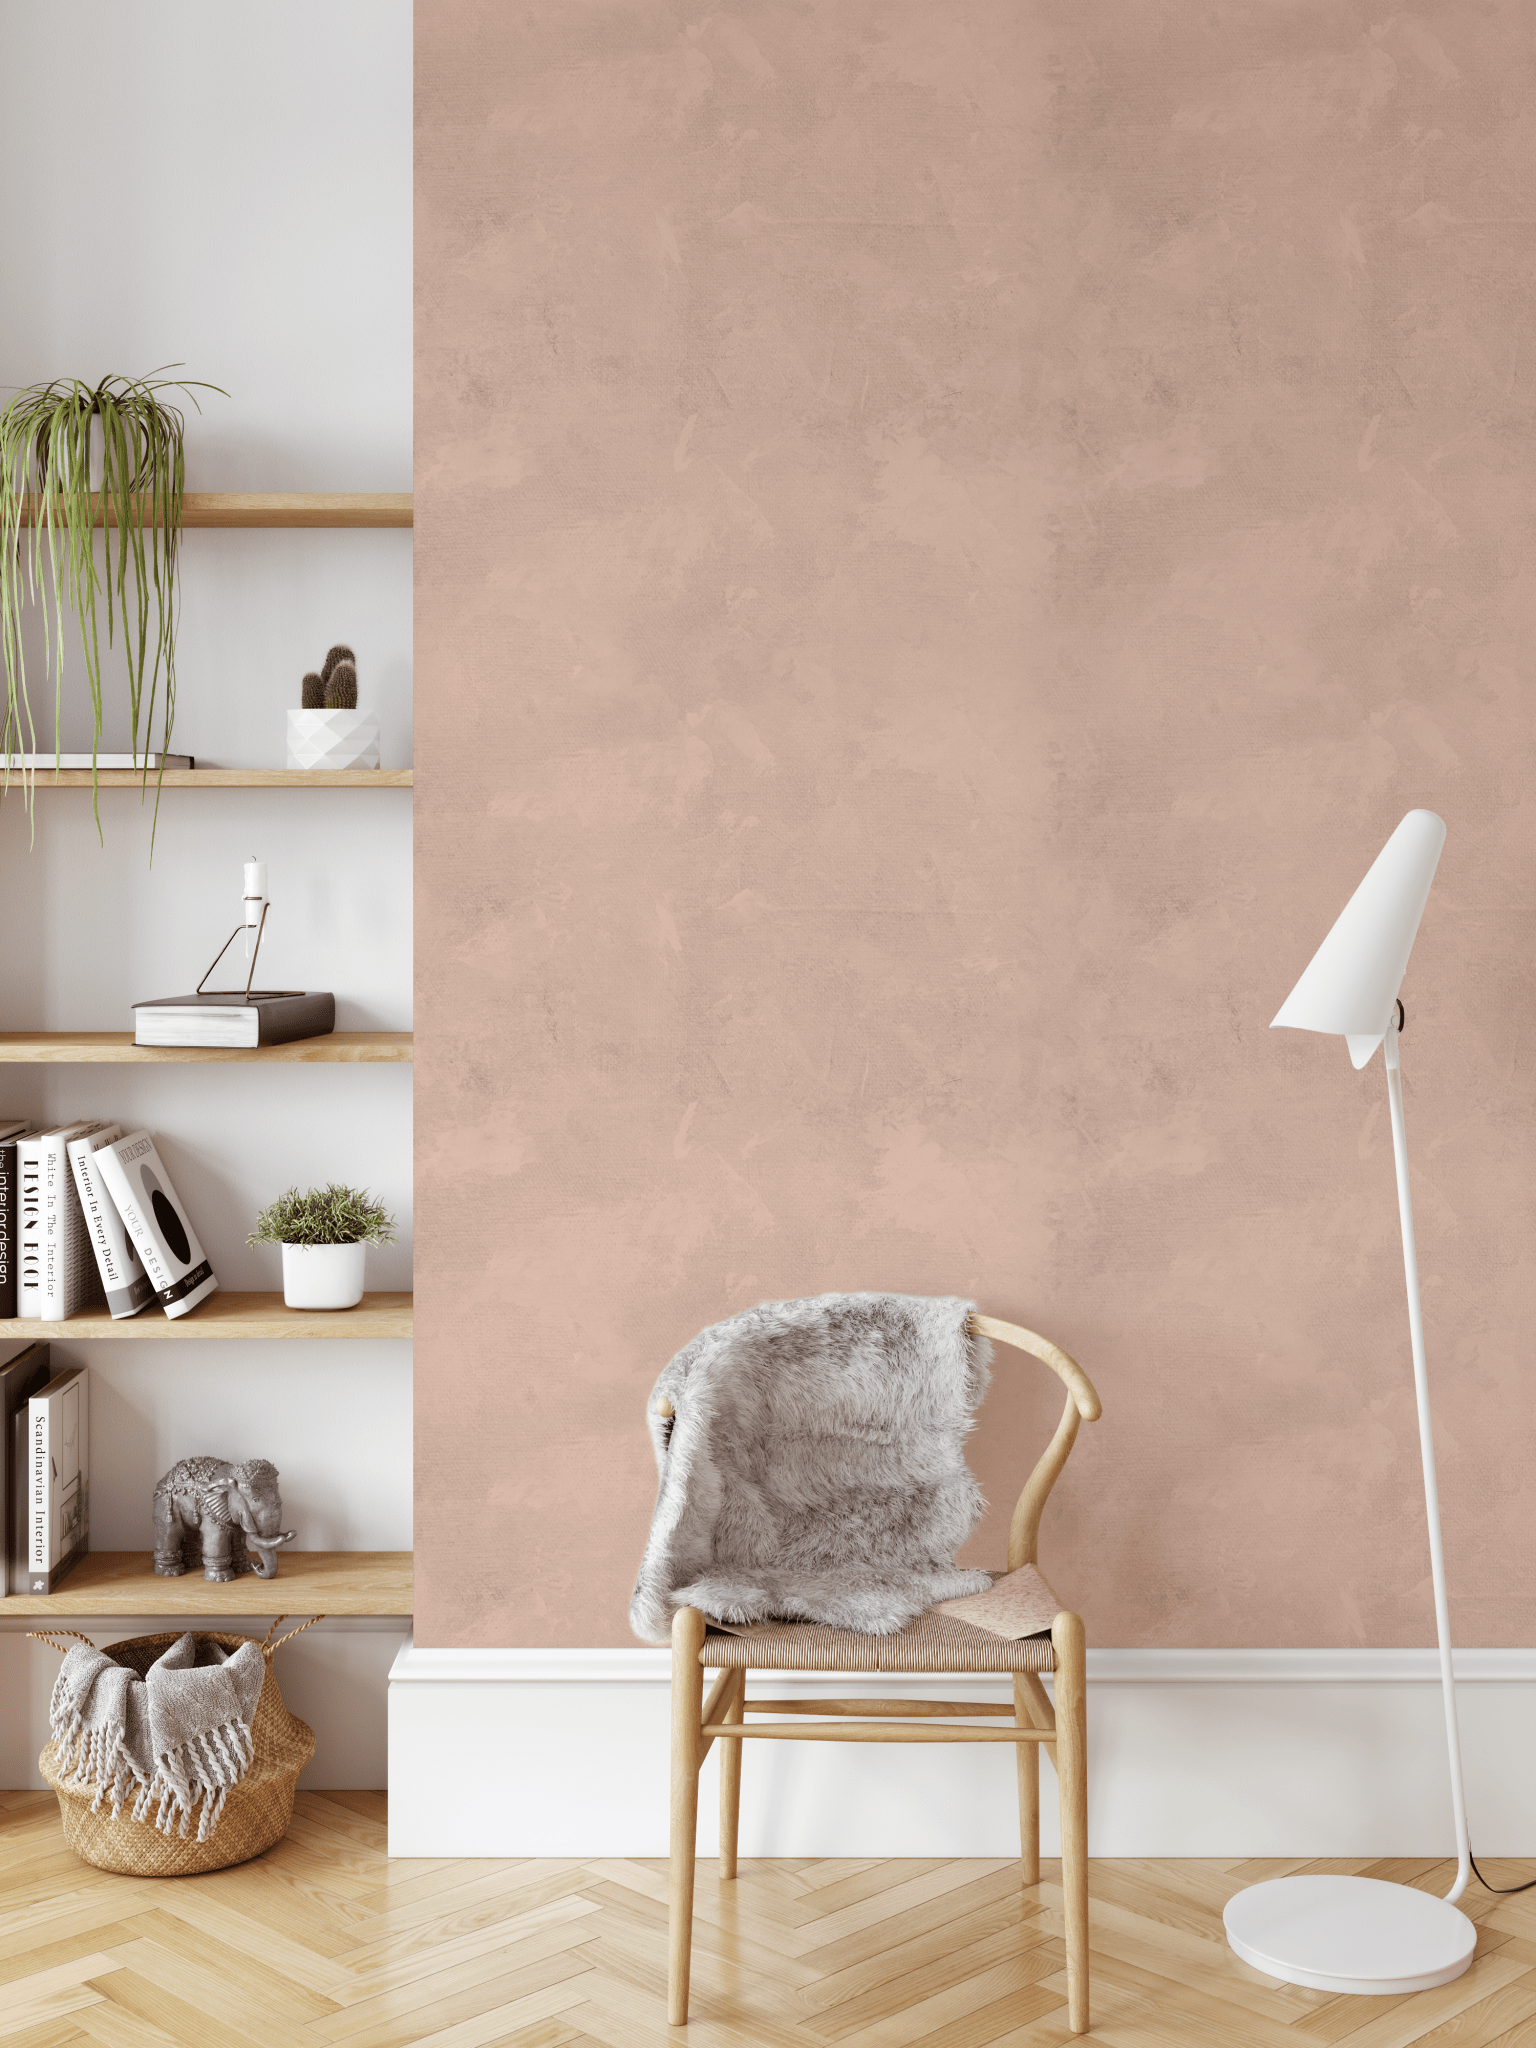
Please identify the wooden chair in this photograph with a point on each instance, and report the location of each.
(932, 1644)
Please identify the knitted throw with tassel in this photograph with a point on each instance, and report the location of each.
(178, 1736)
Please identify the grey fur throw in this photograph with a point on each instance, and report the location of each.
(815, 1469)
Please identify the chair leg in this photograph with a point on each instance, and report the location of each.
(730, 1782)
(1028, 1754)
(687, 1719)
(1072, 1774)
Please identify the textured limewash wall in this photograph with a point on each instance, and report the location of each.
(948, 536)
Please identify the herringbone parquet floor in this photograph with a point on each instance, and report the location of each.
(325, 1942)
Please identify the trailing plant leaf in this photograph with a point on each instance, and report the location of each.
(313, 698)
(341, 690)
(48, 519)
(328, 1215)
(337, 654)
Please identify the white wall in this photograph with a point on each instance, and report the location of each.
(236, 195)
(252, 219)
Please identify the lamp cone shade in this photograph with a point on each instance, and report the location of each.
(1352, 980)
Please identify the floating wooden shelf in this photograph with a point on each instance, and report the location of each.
(86, 1048)
(229, 1315)
(220, 778)
(307, 1582)
(280, 508)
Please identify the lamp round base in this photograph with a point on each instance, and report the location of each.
(1349, 1934)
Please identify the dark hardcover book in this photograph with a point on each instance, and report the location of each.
(265, 1017)
(24, 1372)
(9, 1132)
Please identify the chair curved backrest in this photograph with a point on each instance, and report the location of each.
(1083, 1405)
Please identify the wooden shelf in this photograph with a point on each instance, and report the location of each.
(87, 1048)
(228, 1315)
(221, 778)
(307, 1582)
(282, 508)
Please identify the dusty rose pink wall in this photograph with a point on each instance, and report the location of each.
(948, 535)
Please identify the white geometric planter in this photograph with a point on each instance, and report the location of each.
(333, 739)
(323, 1275)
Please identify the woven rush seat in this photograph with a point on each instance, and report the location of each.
(933, 1643)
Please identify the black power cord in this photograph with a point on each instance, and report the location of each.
(1504, 1890)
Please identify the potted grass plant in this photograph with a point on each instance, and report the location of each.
(325, 1234)
(76, 458)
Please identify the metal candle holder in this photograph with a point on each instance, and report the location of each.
(255, 950)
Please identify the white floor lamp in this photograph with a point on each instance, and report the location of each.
(1358, 1933)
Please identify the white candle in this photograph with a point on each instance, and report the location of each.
(255, 890)
(255, 901)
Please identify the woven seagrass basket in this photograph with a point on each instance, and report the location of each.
(256, 1812)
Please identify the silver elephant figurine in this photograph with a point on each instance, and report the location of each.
(208, 1511)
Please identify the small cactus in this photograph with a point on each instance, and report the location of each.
(313, 698)
(341, 688)
(337, 654)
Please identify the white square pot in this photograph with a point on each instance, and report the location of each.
(333, 739)
(323, 1275)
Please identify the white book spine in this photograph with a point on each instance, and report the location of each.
(123, 1279)
(135, 1177)
(58, 1478)
(29, 1194)
(69, 1268)
(39, 1492)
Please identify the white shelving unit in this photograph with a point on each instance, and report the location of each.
(148, 1401)
(280, 271)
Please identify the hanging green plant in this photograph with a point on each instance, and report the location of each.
(48, 519)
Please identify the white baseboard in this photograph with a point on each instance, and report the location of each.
(1191, 1753)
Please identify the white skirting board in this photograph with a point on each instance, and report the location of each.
(1191, 1753)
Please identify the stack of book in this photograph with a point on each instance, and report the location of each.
(88, 1214)
(45, 1468)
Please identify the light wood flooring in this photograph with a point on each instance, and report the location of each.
(325, 1942)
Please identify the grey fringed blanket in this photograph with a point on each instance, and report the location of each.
(815, 1469)
(181, 1734)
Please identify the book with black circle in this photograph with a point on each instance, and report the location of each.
(134, 1175)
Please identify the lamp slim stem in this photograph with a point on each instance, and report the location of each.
(1427, 1447)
